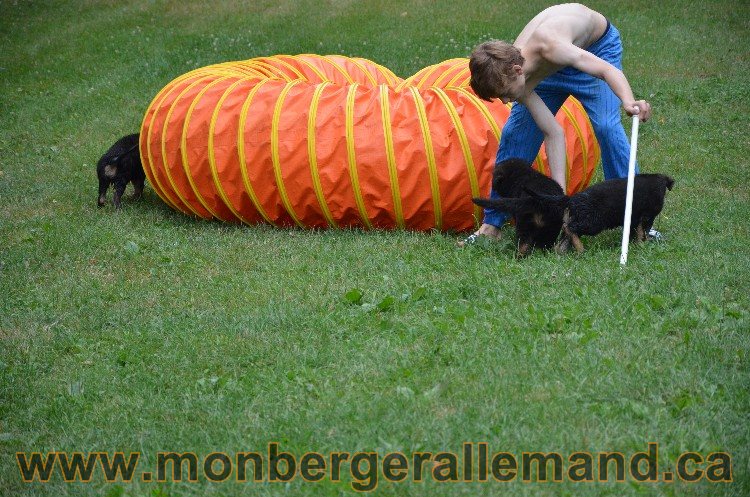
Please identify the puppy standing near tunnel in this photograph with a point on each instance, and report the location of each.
(602, 206)
(537, 226)
(120, 165)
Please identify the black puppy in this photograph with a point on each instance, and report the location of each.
(121, 164)
(536, 224)
(602, 206)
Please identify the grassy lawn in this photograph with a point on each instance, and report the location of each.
(145, 330)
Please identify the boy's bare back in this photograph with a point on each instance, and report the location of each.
(569, 24)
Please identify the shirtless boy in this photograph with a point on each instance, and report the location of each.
(565, 50)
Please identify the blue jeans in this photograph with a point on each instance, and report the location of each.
(521, 137)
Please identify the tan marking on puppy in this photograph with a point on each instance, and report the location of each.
(110, 171)
(563, 245)
(574, 238)
(524, 249)
(640, 233)
(538, 220)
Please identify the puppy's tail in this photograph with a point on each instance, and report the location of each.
(511, 205)
(561, 201)
(487, 203)
(117, 158)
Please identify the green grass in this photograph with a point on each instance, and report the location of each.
(144, 330)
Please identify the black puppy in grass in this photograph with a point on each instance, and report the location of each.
(120, 165)
(537, 226)
(602, 206)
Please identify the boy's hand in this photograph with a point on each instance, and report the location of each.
(639, 107)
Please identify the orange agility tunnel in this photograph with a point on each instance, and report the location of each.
(330, 141)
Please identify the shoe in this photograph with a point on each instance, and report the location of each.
(469, 240)
(654, 235)
(477, 239)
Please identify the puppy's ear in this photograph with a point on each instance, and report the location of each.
(498, 176)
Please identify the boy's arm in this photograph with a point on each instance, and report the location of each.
(567, 54)
(554, 138)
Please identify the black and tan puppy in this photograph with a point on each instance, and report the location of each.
(602, 206)
(120, 165)
(537, 225)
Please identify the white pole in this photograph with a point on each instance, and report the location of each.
(629, 195)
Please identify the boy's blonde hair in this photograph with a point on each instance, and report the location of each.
(491, 65)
